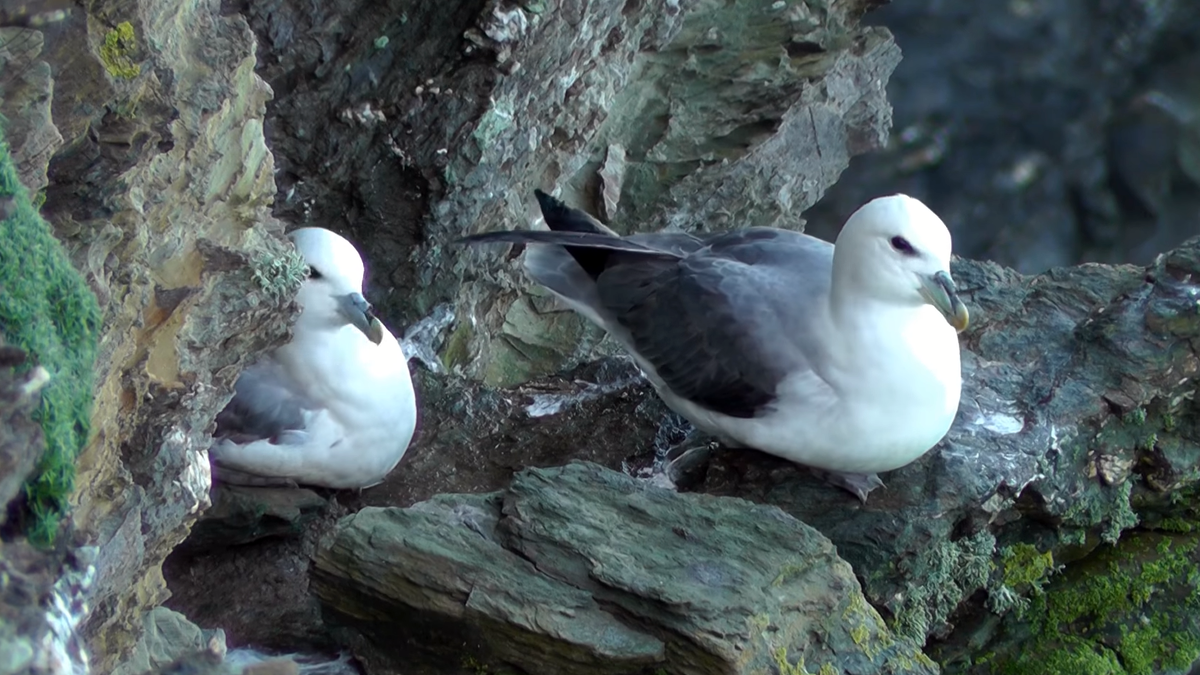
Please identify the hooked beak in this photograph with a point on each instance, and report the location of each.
(939, 291)
(358, 312)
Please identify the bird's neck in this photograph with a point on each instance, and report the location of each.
(913, 340)
(333, 354)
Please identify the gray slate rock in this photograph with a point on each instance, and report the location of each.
(579, 569)
(242, 514)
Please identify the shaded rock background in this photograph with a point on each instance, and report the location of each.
(1044, 133)
(404, 125)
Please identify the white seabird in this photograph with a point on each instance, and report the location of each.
(335, 407)
(844, 358)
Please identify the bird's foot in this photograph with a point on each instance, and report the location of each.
(857, 484)
(686, 459)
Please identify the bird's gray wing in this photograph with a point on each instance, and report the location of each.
(725, 325)
(267, 404)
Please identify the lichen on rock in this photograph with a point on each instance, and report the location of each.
(120, 43)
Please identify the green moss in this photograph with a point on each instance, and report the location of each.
(1071, 656)
(1136, 416)
(787, 572)
(1176, 524)
(48, 310)
(784, 667)
(1130, 610)
(1024, 565)
(119, 44)
(1023, 570)
(861, 620)
(473, 665)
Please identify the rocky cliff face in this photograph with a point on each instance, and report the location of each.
(405, 125)
(161, 195)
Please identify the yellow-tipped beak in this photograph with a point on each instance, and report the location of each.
(939, 290)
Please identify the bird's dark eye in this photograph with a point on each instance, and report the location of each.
(313, 273)
(901, 244)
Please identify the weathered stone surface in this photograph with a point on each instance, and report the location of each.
(580, 569)
(162, 196)
(26, 89)
(26, 574)
(435, 135)
(21, 441)
(470, 439)
(1074, 424)
(168, 637)
(721, 111)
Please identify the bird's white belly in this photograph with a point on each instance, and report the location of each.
(866, 438)
(332, 455)
(357, 438)
(883, 425)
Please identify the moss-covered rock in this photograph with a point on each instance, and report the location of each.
(48, 310)
(1130, 609)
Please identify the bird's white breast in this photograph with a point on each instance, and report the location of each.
(367, 393)
(886, 399)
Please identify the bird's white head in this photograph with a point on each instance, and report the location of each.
(331, 297)
(895, 249)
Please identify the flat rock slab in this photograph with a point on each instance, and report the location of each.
(579, 569)
(242, 514)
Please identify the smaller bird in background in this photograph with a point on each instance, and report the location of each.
(334, 407)
(843, 358)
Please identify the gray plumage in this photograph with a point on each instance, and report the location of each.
(699, 309)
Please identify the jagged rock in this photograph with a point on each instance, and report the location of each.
(436, 134)
(169, 638)
(162, 196)
(26, 574)
(580, 569)
(26, 88)
(721, 112)
(21, 441)
(406, 125)
(470, 440)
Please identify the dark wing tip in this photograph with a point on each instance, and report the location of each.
(552, 209)
(562, 218)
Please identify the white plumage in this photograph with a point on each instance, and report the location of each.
(843, 358)
(333, 407)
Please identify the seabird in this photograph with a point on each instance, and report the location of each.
(843, 358)
(335, 406)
